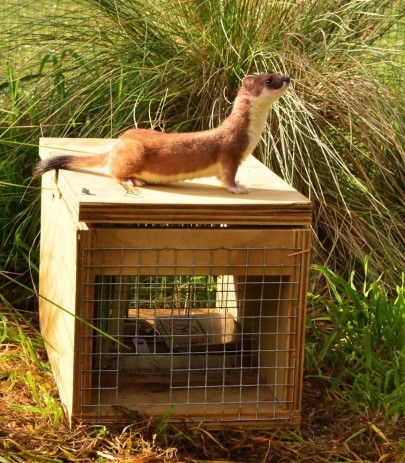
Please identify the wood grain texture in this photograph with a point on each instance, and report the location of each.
(59, 291)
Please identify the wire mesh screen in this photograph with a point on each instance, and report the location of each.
(30, 30)
(199, 333)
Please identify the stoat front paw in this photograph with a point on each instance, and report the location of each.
(239, 189)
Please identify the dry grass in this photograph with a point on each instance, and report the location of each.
(33, 430)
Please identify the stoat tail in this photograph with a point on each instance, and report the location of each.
(68, 162)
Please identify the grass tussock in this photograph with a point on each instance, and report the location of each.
(93, 68)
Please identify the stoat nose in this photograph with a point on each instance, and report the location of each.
(287, 79)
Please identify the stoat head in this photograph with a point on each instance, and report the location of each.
(264, 87)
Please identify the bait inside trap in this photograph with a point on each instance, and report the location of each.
(182, 301)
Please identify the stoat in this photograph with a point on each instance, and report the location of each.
(143, 156)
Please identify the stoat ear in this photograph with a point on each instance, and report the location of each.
(248, 83)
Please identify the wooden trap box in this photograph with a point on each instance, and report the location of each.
(201, 292)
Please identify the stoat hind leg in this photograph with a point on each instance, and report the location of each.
(126, 162)
(132, 181)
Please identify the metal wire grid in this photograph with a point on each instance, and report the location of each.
(212, 346)
(30, 30)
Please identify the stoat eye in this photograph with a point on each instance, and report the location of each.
(269, 80)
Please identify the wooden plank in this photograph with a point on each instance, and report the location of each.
(202, 251)
(218, 405)
(270, 201)
(303, 239)
(58, 288)
(229, 400)
(217, 400)
(199, 214)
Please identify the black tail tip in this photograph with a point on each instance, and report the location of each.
(39, 169)
(52, 163)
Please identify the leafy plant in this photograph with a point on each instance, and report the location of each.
(360, 344)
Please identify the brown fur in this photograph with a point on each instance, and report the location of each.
(146, 156)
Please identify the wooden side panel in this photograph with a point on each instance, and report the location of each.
(303, 239)
(279, 314)
(267, 312)
(84, 325)
(58, 289)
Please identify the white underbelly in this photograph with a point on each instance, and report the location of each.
(151, 177)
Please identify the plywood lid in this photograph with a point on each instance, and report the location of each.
(95, 198)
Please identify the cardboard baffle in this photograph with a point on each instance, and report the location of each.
(181, 301)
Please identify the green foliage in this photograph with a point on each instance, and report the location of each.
(14, 331)
(44, 403)
(361, 349)
(95, 67)
(181, 291)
